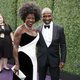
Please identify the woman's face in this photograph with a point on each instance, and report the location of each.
(30, 20)
(1, 19)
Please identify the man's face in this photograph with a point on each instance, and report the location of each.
(47, 17)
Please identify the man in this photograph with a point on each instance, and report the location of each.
(51, 47)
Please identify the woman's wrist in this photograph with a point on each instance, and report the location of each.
(12, 41)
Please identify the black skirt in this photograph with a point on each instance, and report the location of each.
(6, 48)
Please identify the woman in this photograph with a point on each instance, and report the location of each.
(6, 39)
(25, 39)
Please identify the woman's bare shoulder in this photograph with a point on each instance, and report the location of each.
(18, 30)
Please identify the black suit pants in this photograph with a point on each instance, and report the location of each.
(54, 72)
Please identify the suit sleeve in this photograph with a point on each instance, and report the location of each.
(62, 45)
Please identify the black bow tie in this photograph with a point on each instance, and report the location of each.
(46, 26)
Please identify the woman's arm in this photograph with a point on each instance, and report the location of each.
(17, 36)
(12, 37)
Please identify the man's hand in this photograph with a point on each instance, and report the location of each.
(61, 65)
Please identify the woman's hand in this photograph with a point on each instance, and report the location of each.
(16, 69)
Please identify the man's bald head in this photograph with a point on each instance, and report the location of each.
(46, 10)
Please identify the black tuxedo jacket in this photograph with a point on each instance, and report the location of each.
(56, 52)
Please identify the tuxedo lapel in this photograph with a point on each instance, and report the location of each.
(54, 33)
(41, 36)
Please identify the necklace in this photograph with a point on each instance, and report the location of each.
(29, 29)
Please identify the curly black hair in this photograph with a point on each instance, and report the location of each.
(30, 8)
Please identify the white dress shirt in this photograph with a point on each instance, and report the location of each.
(47, 34)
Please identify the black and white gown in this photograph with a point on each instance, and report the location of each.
(27, 57)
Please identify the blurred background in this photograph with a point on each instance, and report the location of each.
(65, 13)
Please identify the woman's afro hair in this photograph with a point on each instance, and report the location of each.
(30, 8)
